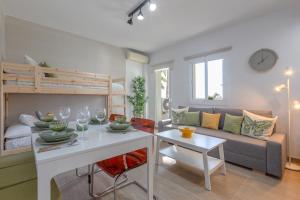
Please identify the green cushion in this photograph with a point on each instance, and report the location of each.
(233, 123)
(191, 119)
(11, 160)
(27, 191)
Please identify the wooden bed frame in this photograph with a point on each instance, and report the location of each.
(61, 82)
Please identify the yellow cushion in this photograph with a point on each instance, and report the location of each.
(210, 120)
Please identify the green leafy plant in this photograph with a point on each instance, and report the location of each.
(138, 99)
(214, 97)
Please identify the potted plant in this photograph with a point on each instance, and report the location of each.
(138, 99)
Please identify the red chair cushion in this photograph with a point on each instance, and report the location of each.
(117, 165)
(114, 116)
(146, 125)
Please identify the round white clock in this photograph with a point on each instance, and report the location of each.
(263, 60)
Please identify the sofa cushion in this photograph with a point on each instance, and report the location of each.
(224, 111)
(238, 143)
(177, 115)
(257, 126)
(191, 119)
(233, 123)
(210, 120)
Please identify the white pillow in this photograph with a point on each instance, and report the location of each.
(16, 131)
(30, 61)
(257, 126)
(28, 120)
(177, 114)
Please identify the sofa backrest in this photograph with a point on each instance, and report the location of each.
(223, 111)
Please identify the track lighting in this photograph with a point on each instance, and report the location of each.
(138, 9)
(152, 6)
(140, 15)
(130, 22)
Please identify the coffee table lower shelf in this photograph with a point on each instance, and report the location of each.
(191, 158)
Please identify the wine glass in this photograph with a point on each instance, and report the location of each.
(100, 115)
(83, 118)
(64, 113)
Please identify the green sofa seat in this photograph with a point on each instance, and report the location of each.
(18, 178)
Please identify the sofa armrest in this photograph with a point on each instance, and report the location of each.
(163, 123)
(276, 154)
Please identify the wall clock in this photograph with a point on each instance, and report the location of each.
(263, 60)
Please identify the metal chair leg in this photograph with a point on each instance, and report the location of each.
(107, 190)
(117, 185)
(85, 174)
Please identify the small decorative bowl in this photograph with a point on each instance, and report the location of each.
(120, 119)
(187, 131)
(47, 118)
(119, 126)
(58, 126)
(41, 124)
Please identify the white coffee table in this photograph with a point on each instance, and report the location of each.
(193, 151)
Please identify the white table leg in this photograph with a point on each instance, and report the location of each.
(221, 153)
(150, 168)
(43, 185)
(157, 150)
(206, 172)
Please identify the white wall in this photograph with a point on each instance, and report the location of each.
(244, 87)
(59, 49)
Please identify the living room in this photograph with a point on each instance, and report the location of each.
(215, 83)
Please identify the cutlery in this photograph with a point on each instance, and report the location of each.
(55, 147)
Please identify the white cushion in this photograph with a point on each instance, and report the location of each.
(30, 61)
(16, 143)
(18, 130)
(257, 126)
(28, 120)
(177, 114)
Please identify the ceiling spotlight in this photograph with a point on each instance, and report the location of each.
(140, 15)
(130, 21)
(137, 10)
(152, 6)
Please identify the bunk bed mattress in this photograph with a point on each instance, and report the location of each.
(15, 143)
(115, 86)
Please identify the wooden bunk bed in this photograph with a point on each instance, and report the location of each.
(27, 79)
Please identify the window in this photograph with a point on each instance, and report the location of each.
(208, 80)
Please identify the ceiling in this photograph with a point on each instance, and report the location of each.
(173, 21)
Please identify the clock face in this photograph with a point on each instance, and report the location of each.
(263, 60)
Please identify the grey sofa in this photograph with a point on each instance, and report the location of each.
(266, 156)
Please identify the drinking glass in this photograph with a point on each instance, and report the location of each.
(64, 113)
(100, 115)
(83, 118)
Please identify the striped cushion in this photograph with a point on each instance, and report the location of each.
(233, 123)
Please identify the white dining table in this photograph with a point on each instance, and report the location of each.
(98, 145)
